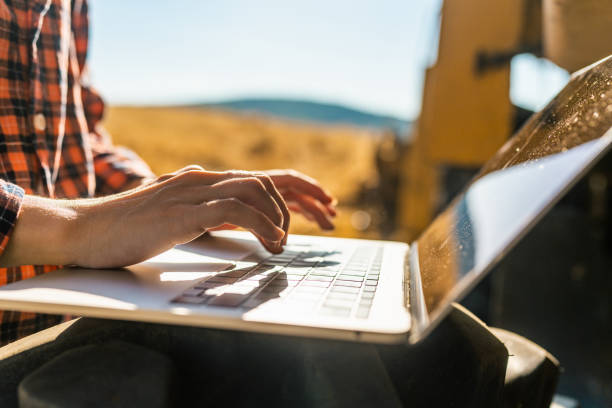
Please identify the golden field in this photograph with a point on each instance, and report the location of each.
(168, 138)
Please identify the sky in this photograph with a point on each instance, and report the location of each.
(369, 54)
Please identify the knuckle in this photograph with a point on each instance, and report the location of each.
(265, 178)
(254, 184)
(236, 173)
(189, 176)
(165, 176)
(194, 167)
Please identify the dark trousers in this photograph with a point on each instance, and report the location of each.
(461, 364)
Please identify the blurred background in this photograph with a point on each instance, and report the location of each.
(393, 105)
(322, 87)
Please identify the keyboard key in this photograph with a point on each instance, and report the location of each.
(369, 288)
(350, 278)
(371, 282)
(274, 289)
(318, 284)
(238, 273)
(313, 254)
(283, 257)
(228, 299)
(323, 272)
(344, 289)
(353, 284)
(365, 302)
(208, 285)
(295, 278)
(193, 300)
(357, 265)
(303, 264)
(320, 278)
(266, 269)
(289, 270)
(227, 280)
(360, 275)
(360, 271)
(283, 283)
(367, 295)
(191, 292)
(248, 284)
(310, 289)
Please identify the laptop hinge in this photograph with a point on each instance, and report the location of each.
(416, 301)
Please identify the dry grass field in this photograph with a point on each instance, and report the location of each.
(341, 158)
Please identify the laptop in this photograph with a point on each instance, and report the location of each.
(360, 290)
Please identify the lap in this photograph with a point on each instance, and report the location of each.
(461, 364)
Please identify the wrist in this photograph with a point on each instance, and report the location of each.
(46, 233)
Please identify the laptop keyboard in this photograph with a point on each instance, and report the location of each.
(311, 280)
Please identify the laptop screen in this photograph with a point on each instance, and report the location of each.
(516, 187)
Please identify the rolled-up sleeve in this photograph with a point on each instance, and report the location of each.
(11, 197)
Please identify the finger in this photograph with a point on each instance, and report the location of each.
(210, 177)
(331, 209)
(274, 248)
(271, 188)
(249, 190)
(303, 184)
(215, 213)
(312, 207)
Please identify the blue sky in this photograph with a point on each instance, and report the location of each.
(366, 54)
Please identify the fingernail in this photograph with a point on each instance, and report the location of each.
(280, 234)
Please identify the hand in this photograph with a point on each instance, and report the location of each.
(303, 195)
(130, 227)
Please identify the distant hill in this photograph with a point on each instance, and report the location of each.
(309, 111)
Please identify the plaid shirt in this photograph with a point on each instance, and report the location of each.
(51, 143)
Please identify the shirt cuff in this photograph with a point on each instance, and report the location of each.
(11, 198)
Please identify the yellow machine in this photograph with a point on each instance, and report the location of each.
(466, 110)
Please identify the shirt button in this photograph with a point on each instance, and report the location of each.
(40, 123)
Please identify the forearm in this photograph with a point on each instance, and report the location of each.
(129, 227)
(46, 233)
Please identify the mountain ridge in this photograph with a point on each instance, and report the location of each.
(310, 111)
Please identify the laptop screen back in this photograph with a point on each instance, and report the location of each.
(516, 187)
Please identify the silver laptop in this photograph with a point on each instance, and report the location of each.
(351, 289)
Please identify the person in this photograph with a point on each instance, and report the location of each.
(68, 196)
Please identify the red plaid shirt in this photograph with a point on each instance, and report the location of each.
(51, 143)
